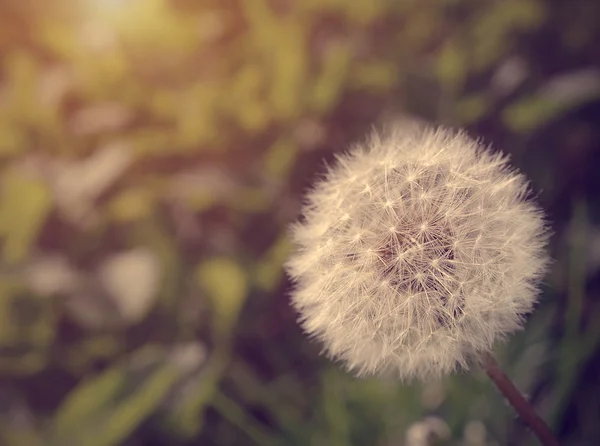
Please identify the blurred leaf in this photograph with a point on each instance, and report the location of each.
(573, 350)
(164, 103)
(522, 14)
(196, 119)
(273, 396)
(364, 13)
(22, 70)
(375, 76)
(157, 26)
(24, 205)
(423, 23)
(132, 204)
(59, 39)
(290, 59)
(84, 353)
(557, 97)
(253, 116)
(335, 407)
(452, 66)
(12, 435)
(248, 82)
(250, 199)
(149, 140)
(226, 285)
(280, 158)
(263, 22)
(100, 74)
(328, 85)
(115, 402)
(238, 416)
(87, 401)
(531, 112)
(282, 44)
(471, 108)
(12, 139)
(9, 288)
(187, 418)
(270, 268)
(245, 99)
(200, 200)
(490, 32)
(27, 328)
(78, 184)
(358, 13)
(153, 234)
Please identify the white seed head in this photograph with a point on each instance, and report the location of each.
(416, 251)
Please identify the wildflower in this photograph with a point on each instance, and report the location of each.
(417, 250)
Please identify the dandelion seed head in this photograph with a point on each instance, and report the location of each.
(417, 250)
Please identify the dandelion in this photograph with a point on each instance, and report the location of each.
(416, 251)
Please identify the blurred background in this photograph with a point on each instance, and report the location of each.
(152, 154)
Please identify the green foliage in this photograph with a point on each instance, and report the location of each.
(225, 284)
(268, 269)
(115, 402)
(493, 29)
(187, 418)
(223, 111)
(24, 205)
(10, 434)
(452, 66)
(27, 328)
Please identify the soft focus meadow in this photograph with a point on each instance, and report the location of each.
(152, 156)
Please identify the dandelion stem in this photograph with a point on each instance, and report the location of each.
(518, 401)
